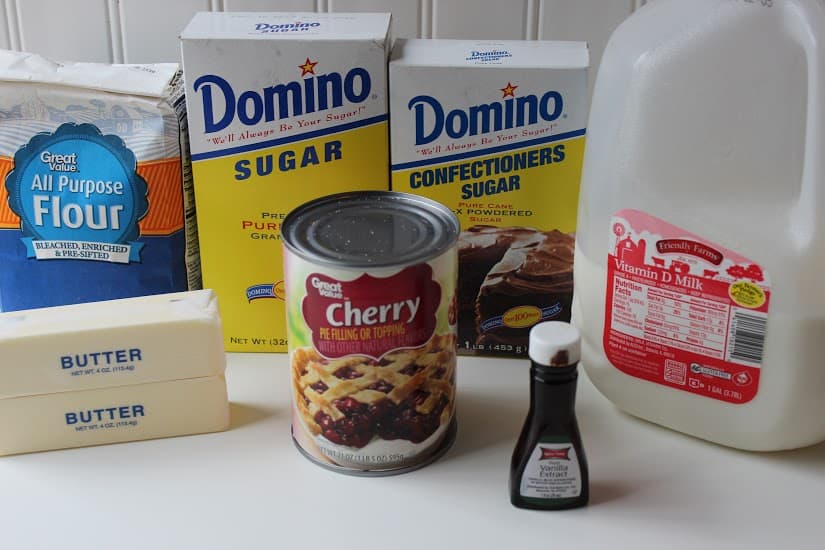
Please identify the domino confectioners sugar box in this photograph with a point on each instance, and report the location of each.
(496, 132)
(283, 108)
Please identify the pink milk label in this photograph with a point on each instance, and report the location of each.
(683, 312)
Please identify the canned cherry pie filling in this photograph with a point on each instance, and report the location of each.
(370, 288)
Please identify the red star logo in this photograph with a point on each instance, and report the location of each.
(308, 67)
(509, 90)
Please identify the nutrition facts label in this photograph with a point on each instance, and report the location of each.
(690, 323)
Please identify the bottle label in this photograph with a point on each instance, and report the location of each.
(552, 471)
(683, 312)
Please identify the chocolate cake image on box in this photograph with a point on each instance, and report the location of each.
(480, 248)
(509, 279)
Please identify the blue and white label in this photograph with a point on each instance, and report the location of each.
(488, 55)
(266, 290)
(297, 26)
(107, 418)
(78, 196)
(104, 363)
(547, 313)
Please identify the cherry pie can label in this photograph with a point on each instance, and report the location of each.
(370, 285)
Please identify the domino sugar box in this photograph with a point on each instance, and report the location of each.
(495, 131)
(283, 108)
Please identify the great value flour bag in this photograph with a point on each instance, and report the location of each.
(96, 198)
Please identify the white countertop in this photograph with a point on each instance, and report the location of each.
(250, 488)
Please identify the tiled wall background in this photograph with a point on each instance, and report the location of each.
(140, 31)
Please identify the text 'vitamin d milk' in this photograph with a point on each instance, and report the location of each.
(283, 108)
(701, 244)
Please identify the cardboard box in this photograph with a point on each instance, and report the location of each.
(283, 108)
(495, 131)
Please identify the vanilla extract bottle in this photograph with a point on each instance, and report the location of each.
(549, 469)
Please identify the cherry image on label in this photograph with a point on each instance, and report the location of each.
(371, 316)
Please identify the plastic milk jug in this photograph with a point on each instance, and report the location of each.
(700, 257)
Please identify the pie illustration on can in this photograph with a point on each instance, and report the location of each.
(407, 394)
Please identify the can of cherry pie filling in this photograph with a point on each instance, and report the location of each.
(370, 285)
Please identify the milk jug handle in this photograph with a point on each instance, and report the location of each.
(809, 30)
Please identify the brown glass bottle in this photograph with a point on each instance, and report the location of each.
(548, 470)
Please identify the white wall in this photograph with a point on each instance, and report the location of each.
(139, 31)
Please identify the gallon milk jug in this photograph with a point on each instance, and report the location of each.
(700, 257)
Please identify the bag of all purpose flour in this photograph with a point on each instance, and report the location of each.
(96, 196)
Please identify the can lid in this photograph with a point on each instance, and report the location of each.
(555, 344)
(370, 229)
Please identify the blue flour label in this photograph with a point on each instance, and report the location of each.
(78, 196)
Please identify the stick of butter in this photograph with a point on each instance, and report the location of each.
(112, 415)
(114, 371)
(112, 343)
